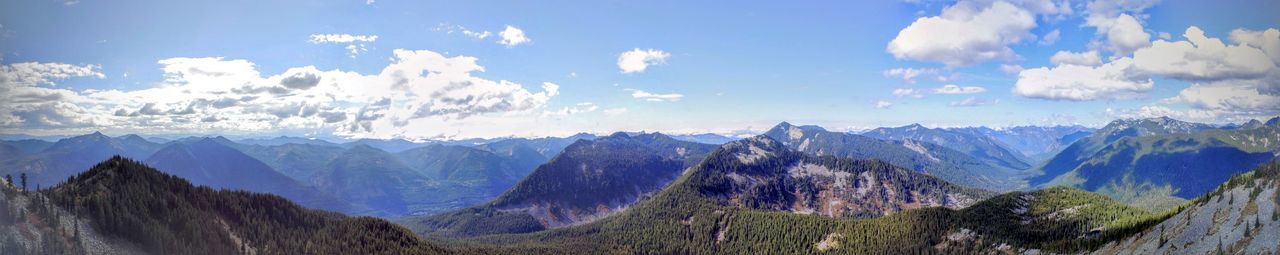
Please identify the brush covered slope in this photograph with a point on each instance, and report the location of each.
(1161, 171)
(1083, 150)
(486, 171)
(707, 212)
(156, 213)
(950, 165)
(982, 147)
(1239, 217)
(1036, 142)
(72, 155)
(587, 181)
(208, 162)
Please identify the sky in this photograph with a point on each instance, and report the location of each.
(465, 69)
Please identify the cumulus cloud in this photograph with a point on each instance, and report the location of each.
(512, 36)
(1112, 80)
(652, 97)
(1202, 58)
(355, 43)
(955, 89)
(1126, 35)
(883, 104)
(1117, 21)
(230, 95)
(909, 74)
(970, 32)
(35, 73)
(1088, 58)
(637, 60)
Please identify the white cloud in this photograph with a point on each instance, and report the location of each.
(419, 93)
(583, 107)
(1201, 58)
(1112, 80)
(637, 60)
(35, 73)
(512, 36)
(904, 92)
(355, 43)
(909, 74)
(970, 32)
(1051, 37)
(1088, 58)
(1268, 41)
(651, 97)
(883, 104)
(954, 89)
(341, 38)
(1126, 35)
(970, 102)
(1229, 98)
(478, 35)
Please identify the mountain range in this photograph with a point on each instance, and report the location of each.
(1155, 185)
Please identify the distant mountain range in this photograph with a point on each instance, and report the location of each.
(1136, 186)
(1035, 142)
(949, 164)
(591, 179)
(208, 162)
(121, 206)
(1157, 163)
(982, 147)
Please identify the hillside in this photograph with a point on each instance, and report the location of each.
(1159, 171)
(1241, 216)
(373, 178)
(982, 147)
(72, 155)
(699, 213)
(298, 161)
(1036, 142)
(590, 179)
(464, 165)
(210, 163)
(1082, 150)
(950, 165)
(133, 206)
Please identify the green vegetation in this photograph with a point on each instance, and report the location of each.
(692, 217)
(163, 214)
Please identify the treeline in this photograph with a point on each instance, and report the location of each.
(163, 214)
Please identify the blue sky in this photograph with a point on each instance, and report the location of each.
(75, 67)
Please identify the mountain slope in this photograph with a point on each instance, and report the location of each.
(982, 147)
(1084, 149)
(72, 155)
(371, 177)
(298, 161)
(950, 165)
(464, 165)
(588, 180)
(1151, 168)
(163, 214)
(29, 146)
(698, 214)
(210, 163)
(1037, 143)
(1241, 216)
